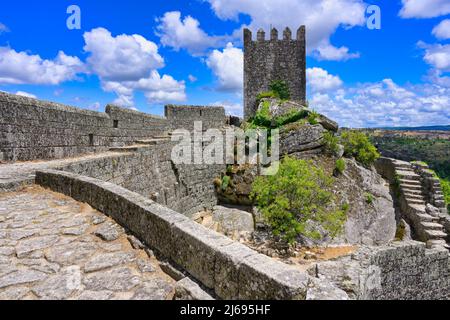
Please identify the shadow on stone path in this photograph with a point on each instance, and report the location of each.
(52, 247)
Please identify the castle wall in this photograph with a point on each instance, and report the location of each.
(31, 129)
(397, 271)
(151, 173)
(274, 59)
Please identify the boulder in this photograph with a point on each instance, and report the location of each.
(279, 107)
(304, 138)
(233, 221)
(328, 124)
(368, 222)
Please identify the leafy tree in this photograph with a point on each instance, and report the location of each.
(298, 193)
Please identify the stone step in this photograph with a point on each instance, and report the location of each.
(151, 142)
(126, 149)
(409, 175)
(414, 201)
(406, 188)
(414, 196)
(435, 234)
(416, 192)
(165, 137)
(434, 244)
(432, 226)
(423, 217)
(439, 203)
(410, 182)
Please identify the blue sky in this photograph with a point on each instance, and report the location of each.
(144, 54)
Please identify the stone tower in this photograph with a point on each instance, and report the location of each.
(274, 59)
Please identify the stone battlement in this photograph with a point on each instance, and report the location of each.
(273, 59)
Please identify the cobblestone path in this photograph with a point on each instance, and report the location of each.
(52, 247)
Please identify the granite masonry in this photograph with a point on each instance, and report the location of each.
(34, 130)
(273, 59)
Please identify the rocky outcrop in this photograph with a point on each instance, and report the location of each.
(304, 138)
(237, 191)
(233, 222)
(371, 214)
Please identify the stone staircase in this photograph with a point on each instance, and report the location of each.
(413, 204)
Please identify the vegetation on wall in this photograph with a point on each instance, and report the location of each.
(297, 195)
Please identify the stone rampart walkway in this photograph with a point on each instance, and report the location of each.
(52, 247)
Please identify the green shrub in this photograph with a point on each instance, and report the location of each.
(340, 166)
(262, 117)
(357, 144)
(225, 182)
(369, 198)
(345, 207)
(445, 183)
(292, 116)
(313, 118)
(280, 89)
(331, 142)
(265, 95)
(298, 193)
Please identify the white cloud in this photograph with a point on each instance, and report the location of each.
(385, 103)
(3, 28)
(424, 8)
(186, 34)
(22, 68)
(228, 67)
(192, 78)
(320, 80)
(95, 106)
(121, 58)
(231, 108)
(442, 30)
(437, 55)
(322, 18)
(26, 94)
(129, 63)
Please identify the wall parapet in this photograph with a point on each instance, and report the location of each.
(32, 129)
(231, 269)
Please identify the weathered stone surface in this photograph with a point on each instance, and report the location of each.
(135, 242)
(109, 231)
(324, 290)
(275, 59)
(368, 222)
(261, 277)
(186, 289)
(233, 221)
(44, 220)
(27, 246)
(171, 271)
(156, 289)
(304, 138)
(328, 124)
(96, 295)
(145, 266)
(21, 277)
(57, 287)
(108, 260)
(117, 279)
(70, 254)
